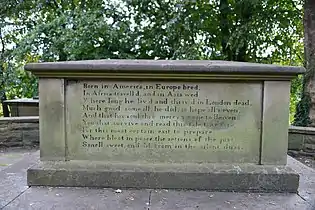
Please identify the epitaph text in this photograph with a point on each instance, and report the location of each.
(166, 118)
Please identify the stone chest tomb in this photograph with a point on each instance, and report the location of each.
(206, 125)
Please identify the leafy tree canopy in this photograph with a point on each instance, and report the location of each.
(267, 31)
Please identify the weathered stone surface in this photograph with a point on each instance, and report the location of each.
(52, 118)
(13, 178)
(246, 177)
(20, 131)
(191, 66)
(23, 107)
(307, 180)
(41, 198)
(10, 156)
(295, 141)
(164, 121)
(20, 111)
(164, 124)
(302, 138)
(310, 147)
(309, 138)
(192, 200)
(275, 122)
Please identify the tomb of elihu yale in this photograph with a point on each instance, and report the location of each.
(203, 125)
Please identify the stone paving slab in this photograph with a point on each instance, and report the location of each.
(193, 200)
(43, 198)
(80, 199)
(14, 194)
(190, 200)
(10, 156)
(307, 179)
(13, 178)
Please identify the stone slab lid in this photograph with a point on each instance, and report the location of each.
(22, 100)
(159, 68)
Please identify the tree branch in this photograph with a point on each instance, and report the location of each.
(3, 97)
(3, 45)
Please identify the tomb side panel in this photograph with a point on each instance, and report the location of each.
(164, 121)
(52, 119)
(275, 122)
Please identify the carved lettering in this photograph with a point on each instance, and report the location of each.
(169, 117)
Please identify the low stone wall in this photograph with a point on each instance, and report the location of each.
(302, 139)
(19, 131)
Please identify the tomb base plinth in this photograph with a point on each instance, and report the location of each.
(213, 177)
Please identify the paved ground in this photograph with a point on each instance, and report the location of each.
(9, 156)
(309, 161)
(14, 194)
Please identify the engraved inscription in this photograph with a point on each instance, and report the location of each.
(157, 121)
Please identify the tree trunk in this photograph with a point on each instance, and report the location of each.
(309, 43)
(305, 115)
(5, 108)
(3, 96)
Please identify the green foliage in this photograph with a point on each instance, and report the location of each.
(76, 30)
(14, 82)
(229, 30)
(19, 83)
(247, 30)
(302, 112)
(298, 103)
(303, 106)
(268, 31)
